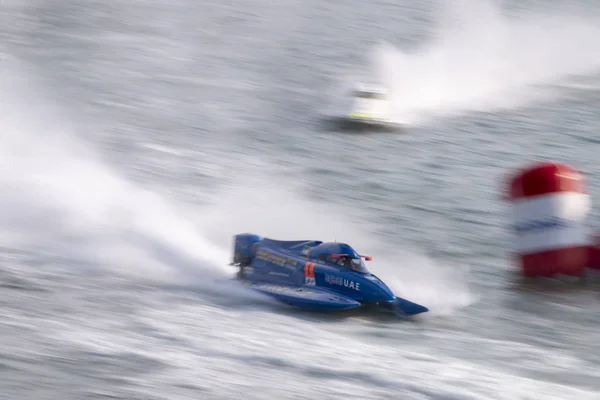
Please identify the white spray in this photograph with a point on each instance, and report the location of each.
(60, 195)
(482, 59)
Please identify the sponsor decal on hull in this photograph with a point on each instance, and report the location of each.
(338, 280)
(309, 274)
(285, 262)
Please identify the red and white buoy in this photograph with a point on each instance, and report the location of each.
(549, 206)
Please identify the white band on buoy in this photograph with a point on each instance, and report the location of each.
(551, 221)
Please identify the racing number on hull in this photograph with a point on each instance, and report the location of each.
(309, 273)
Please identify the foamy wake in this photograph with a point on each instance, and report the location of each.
(482, 59)
(65, 199)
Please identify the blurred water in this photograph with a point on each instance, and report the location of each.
(138, 137)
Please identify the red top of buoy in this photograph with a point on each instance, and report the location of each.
(544, 178)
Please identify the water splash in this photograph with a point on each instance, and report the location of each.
(66, 200)
(481, 59)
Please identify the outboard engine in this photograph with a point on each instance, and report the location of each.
(244, 248)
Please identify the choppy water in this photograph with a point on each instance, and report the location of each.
(138, 137)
